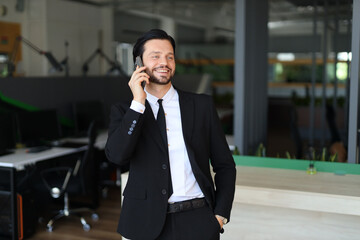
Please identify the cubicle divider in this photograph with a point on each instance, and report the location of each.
(32, 93)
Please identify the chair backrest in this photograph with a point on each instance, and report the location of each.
(88, 169)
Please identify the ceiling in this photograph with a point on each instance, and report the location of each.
(285, 16)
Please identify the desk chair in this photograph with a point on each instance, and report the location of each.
(79, 181)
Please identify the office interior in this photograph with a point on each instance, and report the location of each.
(68, 61)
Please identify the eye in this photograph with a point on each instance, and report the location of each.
(171, 58)
(155, 57)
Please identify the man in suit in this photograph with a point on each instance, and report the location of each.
(170, 193)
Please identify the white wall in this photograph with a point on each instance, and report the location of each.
(34, 30)
(12, 15)
(49, 23)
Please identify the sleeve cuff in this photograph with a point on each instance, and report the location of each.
(137, 107)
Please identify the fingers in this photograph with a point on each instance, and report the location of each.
(220, 222)
(140, 69)
(138, 76)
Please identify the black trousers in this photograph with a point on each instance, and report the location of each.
(195, 224)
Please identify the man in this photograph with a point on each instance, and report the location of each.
(170, 193)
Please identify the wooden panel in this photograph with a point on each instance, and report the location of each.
(295, 180)
(330, 203)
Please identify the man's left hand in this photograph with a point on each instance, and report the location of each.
(220, 221)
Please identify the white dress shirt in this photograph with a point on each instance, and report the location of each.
(184, 184)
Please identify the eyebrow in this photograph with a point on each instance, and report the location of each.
(157, 52)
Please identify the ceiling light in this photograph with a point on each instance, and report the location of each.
(285, 56)
(344, 56)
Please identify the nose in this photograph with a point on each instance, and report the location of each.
(163, 61)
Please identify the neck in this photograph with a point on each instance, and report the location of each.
(158, 90)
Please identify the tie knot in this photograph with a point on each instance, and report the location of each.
(160, 101)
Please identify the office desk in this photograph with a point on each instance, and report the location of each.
(17, 161)
(99, 143)
(20, 158)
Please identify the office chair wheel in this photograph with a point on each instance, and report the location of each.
(95, 217)
(104, 192)
(49, 228)
(86, 227)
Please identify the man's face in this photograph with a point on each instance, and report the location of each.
(159, 59)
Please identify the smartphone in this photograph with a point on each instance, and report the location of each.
(138, 62)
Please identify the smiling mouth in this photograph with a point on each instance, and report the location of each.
(162, 70)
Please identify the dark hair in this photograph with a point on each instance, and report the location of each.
(152, 34)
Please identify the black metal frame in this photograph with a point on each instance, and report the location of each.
(11, 61)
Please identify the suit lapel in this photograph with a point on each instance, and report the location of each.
(187, 115)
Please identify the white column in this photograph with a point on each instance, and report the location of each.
(169, 26)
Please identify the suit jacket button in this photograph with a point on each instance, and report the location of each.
(164, 166)
(163, 192)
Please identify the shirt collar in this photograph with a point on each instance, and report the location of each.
(167, 97)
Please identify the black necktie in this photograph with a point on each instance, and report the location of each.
(160, 119)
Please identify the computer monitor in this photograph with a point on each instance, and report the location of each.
(7, 133)
(87, 111)
(38, 127)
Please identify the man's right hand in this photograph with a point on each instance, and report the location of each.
(138, 76)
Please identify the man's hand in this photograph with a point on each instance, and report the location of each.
(220, 221)
(135, 84)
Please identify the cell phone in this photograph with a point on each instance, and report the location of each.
(138, 62)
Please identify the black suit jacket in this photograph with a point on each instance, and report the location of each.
(135, 139)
